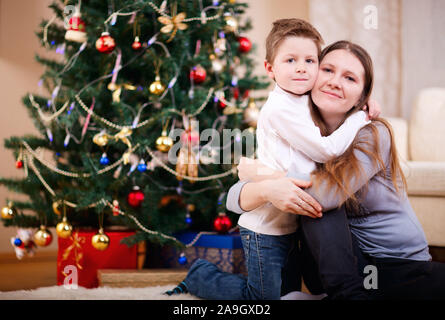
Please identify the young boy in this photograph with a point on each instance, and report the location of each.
(286, 135)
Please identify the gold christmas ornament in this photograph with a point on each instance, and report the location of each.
(43, 237)
(101, 139)
(126, 157)
(231, 24)
(173, 24)
(186, 164)
(9, 211)
(100, 240)
(123, 135)
(251, 113)
(157, 87)
(112, 86)
(64, 229)
(116, 90)
(181, 164)
(231, 109)
(164, 142)
(57, 206)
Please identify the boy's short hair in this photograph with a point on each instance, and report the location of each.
(284, 28)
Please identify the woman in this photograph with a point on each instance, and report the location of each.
(366, 182)
(273, 259)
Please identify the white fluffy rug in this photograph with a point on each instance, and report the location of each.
(102, 293)
(108, 293)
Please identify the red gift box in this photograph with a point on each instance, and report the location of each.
(77, 257)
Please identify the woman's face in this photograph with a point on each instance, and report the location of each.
(340, 83)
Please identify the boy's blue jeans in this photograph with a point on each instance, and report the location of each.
(321, 251)
(270, 260)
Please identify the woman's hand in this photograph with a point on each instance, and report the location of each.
(253, 170)
(373, 108)
(286, 195)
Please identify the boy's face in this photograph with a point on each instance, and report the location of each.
(295, 67)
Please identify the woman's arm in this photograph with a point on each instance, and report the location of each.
(233, 198)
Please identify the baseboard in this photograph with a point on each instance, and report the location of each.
(39, 256)
(437, 253)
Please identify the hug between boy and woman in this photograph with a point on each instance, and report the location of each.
(326, 196)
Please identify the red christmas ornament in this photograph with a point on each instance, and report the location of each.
(236, 93)
(246, 94)
(198, 74)
(116, 208)
(135, 197)
(136, 44)
(43, 237)
(19, 164)
(105, 44)
(222, 103)
(222, 223)
(190, 136)
(76, 30)
(244, 44)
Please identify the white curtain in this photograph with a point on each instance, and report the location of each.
(376, 26)
(423, 47)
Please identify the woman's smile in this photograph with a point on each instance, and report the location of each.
(331, 94)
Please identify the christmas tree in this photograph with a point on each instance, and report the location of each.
(134, 119)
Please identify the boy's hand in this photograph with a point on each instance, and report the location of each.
(373, 108)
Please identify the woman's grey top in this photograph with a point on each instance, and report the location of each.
(389, 228)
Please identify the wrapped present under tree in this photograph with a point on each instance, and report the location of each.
(79, 259)
(224, 250)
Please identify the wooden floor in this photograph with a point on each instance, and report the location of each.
(40, 271)
(29, 273)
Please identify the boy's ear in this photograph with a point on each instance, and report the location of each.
(269, 69)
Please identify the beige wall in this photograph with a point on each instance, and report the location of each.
(19, 73)
(423, 46)
(349, 20)
(262, 14)
(406, 45)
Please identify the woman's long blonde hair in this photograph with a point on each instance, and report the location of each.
(339, 172)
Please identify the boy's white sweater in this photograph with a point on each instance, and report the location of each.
(286, 137)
